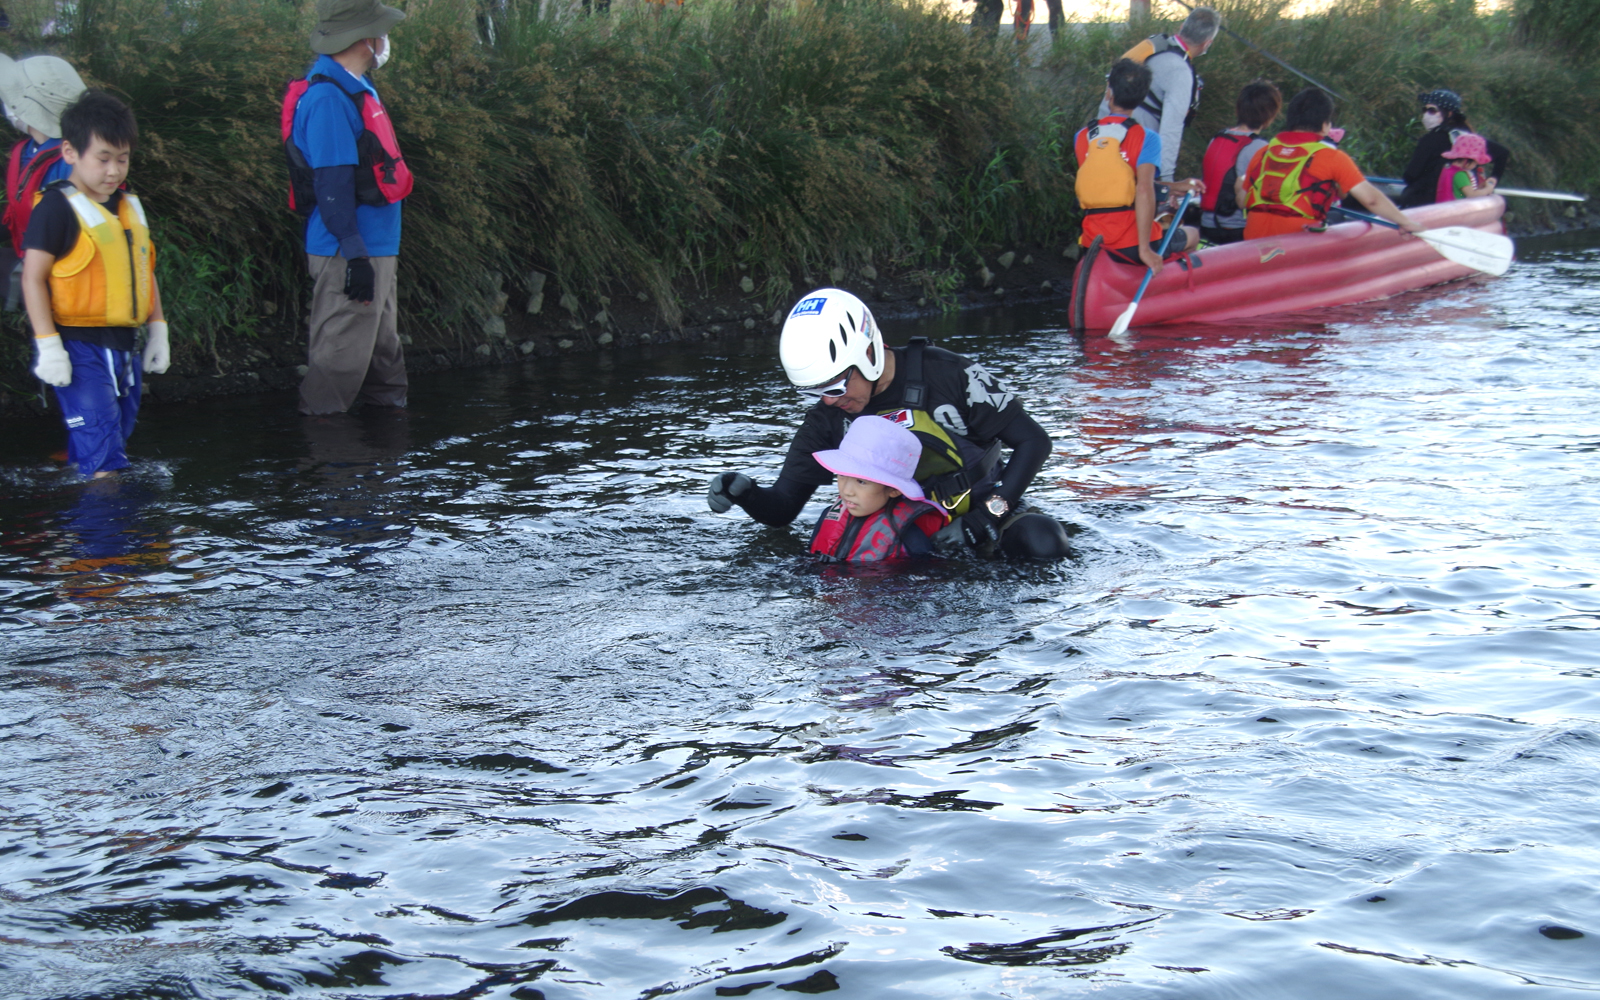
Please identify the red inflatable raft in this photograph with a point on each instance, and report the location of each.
(1349, 262)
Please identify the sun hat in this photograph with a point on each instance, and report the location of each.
(1469, 146)
(878, 450)
(342, 23)
(37, 89)
(1444, 100)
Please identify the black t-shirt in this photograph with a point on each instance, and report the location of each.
(54, 228)
(965, 399)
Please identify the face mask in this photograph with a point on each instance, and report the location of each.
(17, 123)
(1431, 121)
(382, 55)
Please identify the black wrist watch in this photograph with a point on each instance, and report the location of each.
(996, 505)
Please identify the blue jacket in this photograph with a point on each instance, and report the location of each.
(326, 126)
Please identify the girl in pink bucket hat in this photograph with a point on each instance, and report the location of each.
(1463, 177)
(881, 513)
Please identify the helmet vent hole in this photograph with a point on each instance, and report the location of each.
(852, 320)
(844, 335)
(833, 351)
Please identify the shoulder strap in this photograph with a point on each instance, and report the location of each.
(916, 389)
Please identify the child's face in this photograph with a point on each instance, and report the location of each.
(98, 170)
(1464, 162)
(862, 497)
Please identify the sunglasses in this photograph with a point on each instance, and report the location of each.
(831, 390)
(1430, 110)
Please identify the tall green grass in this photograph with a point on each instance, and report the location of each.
(659, 150)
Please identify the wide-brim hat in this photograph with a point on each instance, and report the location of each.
(878, 450)
(37, 89)
(342, 23)
(1469, 147)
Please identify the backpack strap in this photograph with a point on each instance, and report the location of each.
(916, 390)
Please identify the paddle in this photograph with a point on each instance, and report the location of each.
(1474, 248)
(1513, 192)
(1121, 325)
(1547, 195)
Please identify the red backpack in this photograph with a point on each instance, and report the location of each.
(1220, 169)
(382, 177)
(23, 181)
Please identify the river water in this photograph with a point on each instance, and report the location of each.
(481, 701)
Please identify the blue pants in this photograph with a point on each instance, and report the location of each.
(99, 405)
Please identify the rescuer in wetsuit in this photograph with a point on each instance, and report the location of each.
(832, 351)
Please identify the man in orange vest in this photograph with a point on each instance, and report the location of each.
(1299, 176)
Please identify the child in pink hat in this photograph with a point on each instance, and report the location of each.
(1463, 177)
(881, 513)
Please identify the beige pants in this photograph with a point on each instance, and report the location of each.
(355, 348)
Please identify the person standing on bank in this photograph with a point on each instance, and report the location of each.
(1174, 84)
(833, 352)
(347, 174)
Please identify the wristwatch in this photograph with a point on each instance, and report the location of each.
(996, 505)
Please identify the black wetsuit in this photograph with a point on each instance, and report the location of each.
(962, 397)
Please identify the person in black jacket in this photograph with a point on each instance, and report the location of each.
(1445, 119)
(832, 351)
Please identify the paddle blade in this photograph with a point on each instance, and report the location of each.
(1490, 253)
(1548, 195)
(1120, 327)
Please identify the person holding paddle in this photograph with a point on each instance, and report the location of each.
(1293, 182)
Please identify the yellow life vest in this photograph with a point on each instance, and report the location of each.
(108, 277)
(1277, 189)
(945, 471)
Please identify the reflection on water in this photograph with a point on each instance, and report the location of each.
(480, 701)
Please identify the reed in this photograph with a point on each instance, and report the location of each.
(664, 149)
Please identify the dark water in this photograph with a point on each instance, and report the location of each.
(482, 702)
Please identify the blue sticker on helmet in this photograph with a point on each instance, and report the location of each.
(809, 307)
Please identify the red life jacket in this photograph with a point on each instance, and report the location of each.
(877, 537)
(382, 177)
(23, 181)
(1220, 169)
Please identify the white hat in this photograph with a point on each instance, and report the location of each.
(37, 89)
(878, 450)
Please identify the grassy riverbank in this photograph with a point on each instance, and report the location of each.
(613, 169)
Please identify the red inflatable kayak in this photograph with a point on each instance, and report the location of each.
(1349, 262)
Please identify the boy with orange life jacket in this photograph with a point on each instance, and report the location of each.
(1227, 159)
(1293, 181)
(35, 91)
(1115, 184)
(347, 175)
(88, 276)
(881, 513)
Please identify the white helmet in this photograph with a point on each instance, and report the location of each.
(827, 333)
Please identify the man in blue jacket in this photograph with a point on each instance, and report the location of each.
(353, 235)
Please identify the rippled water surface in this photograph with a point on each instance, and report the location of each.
(480, 701)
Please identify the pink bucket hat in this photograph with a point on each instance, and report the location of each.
(1469, 147)
(879, 451)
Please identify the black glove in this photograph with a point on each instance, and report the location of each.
(725, 488)
(981, 530)
(360, 283)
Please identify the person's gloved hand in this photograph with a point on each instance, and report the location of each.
(725, 488)
(360, 282)
(157, 356)
(54, 366)
(981, 529)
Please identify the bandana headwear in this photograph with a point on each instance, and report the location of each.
(1447, 101)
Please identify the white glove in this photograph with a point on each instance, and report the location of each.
(54, 366)
(157, 356)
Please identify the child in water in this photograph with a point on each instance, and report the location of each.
(1464, 176)
(881, 513)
